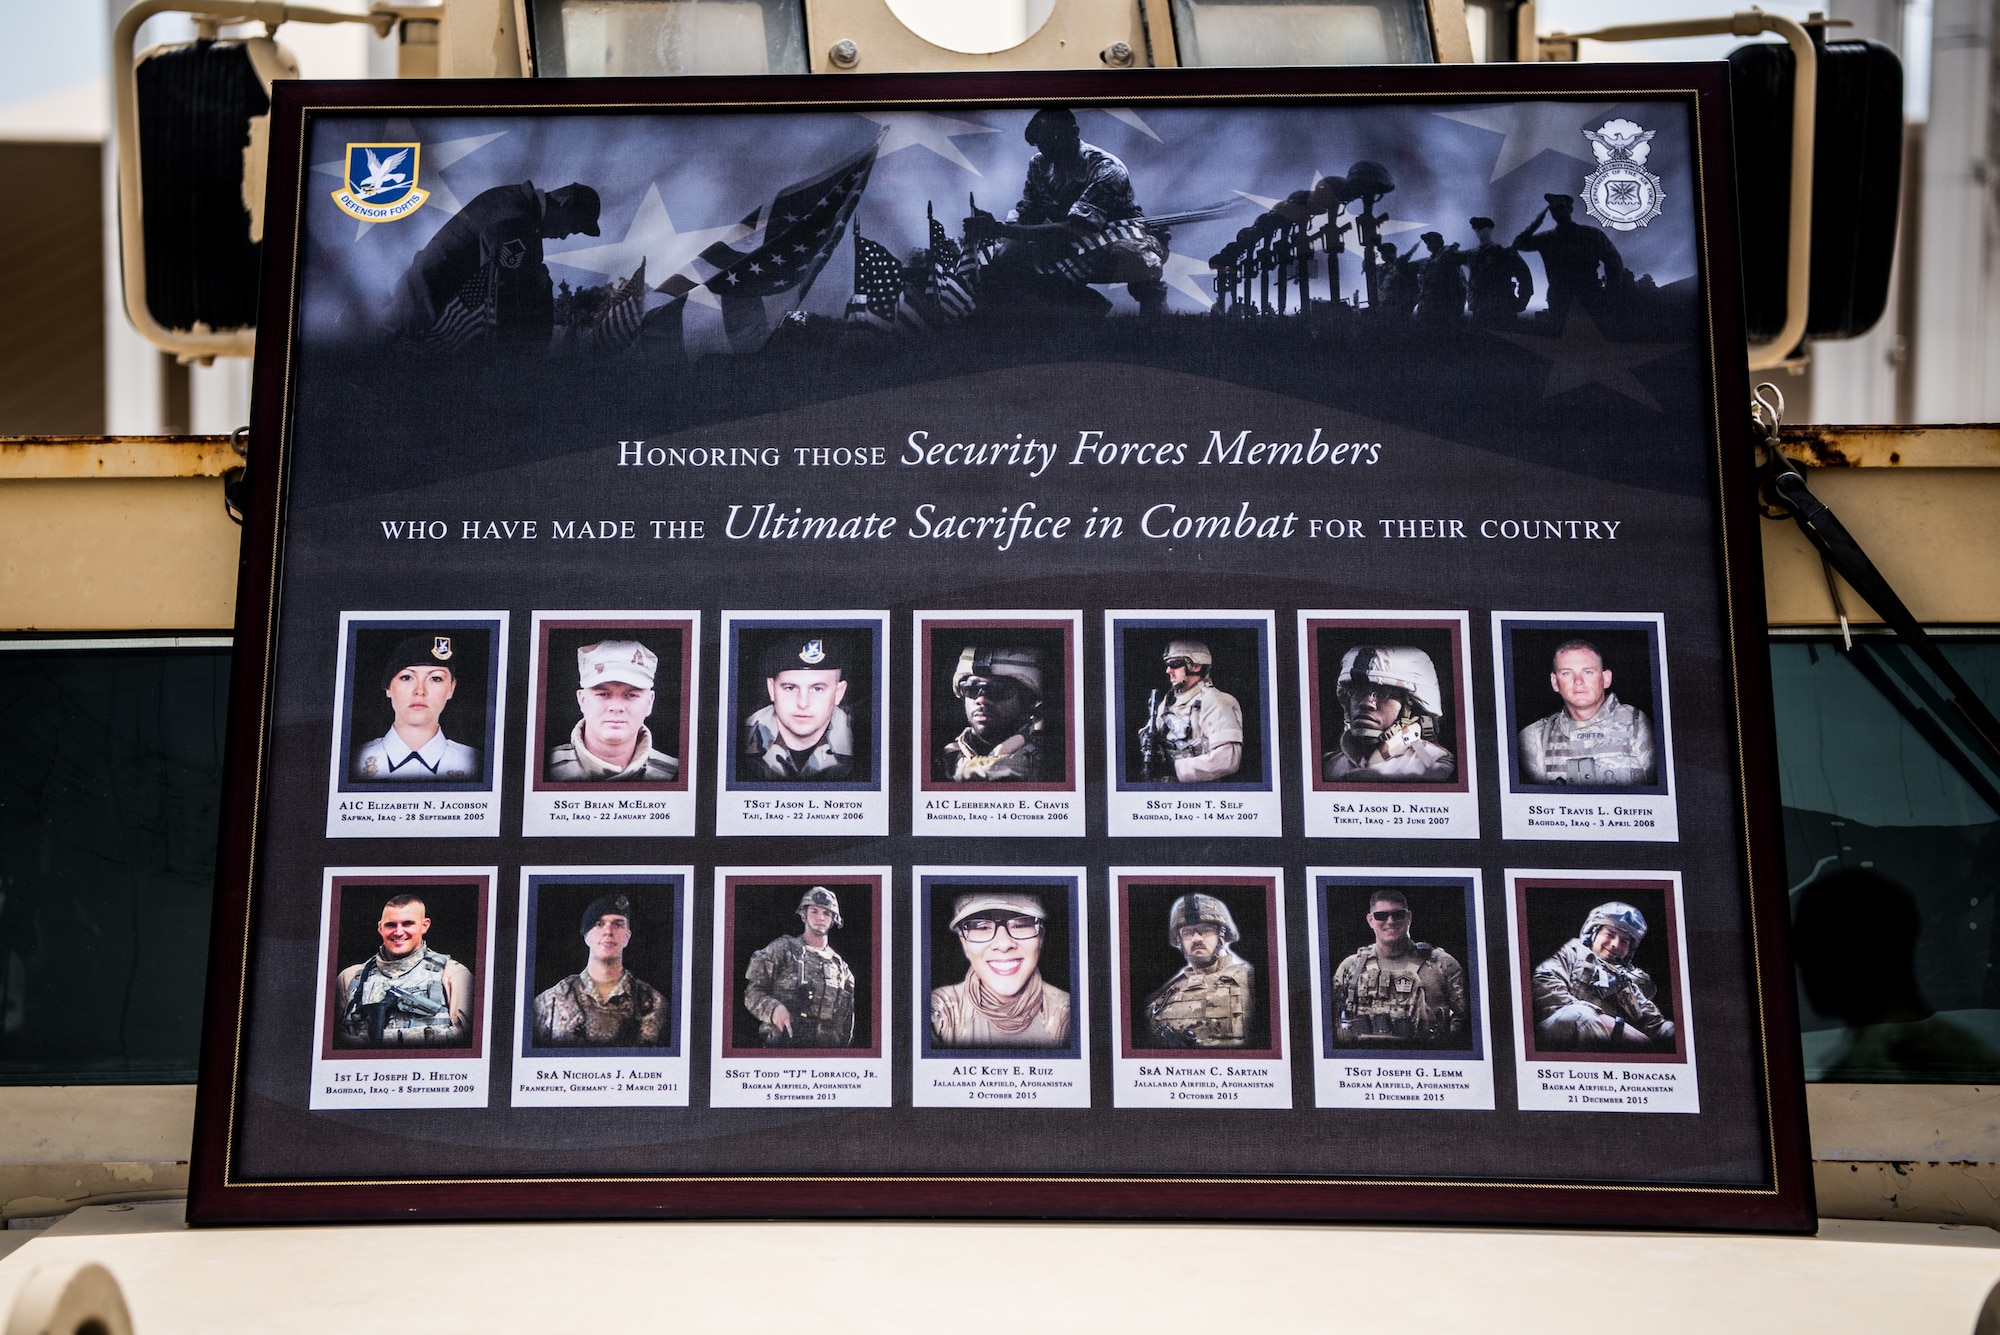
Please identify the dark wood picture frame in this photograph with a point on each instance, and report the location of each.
(220, 1194)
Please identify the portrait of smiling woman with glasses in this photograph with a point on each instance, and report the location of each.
(1003, 1001)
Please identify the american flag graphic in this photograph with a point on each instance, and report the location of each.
(471, 316)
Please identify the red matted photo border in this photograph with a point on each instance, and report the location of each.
(482, 982)
(1525, 996)
(1461, 711)
(539, 716)
(726, 994)
(1785, 1203)
(1121, 975)
(920, 630)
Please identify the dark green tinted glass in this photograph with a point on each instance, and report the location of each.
(109, 804)
(1893, 856)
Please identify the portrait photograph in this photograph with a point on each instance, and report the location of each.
(1586, 705)
(802, 965)
(406, 965)
(613, 702)
(1604, 978)
(603, 973)
(1198, 966)
(420, 696)
(1386, 706)
(1398, 966)
(1002, 967)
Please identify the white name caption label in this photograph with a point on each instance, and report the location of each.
(1202, 1082)
(607, 814)
(415, 1082)
(995, 811)
(1349, 1082)
(1201, 809)
(1623, 818)
(411, 815)
(795, 812)
(1612, 1087)
(600, 1082)
(763, 1082)
(1011, 1082)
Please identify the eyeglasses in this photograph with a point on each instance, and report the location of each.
(1390, 915)
(981, 930)
(993, 688)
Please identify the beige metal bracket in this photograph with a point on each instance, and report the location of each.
(188, 344)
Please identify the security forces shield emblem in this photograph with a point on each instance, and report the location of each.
(380, 182)
(1621, 193)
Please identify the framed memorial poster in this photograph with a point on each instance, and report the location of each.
(1160, 643)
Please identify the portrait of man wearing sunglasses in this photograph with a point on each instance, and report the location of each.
(1397, 991)
(1002, 741)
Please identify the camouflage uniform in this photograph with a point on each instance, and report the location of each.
(572, 1015)
(1613, 748)
(1412, 1000)
(1192, 726)
(1095, 196)
(1571, 256)
(388, 1003)
(1500, 283)
(766, 758)
(572, 762)
(500, 229)
(814, 985)
(1207, 1007)
(1018, 756)
(1574, 990)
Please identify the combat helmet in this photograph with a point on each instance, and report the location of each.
(1023, 666)
(1399, 667)
(824, 898)
(1622, 916)
(1197, 909)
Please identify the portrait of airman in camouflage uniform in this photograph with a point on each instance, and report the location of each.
(1590, 997)
(1595, 739)
(798, 987)
(405, 994)
(1397, 991)
(1212, 1001)
(805, 733)
(602, 1005)
(1002, 741)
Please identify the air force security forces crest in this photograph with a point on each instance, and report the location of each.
(1621, 193)
(380, 184)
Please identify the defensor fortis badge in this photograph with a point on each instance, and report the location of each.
(379, 183)
(1621, 193)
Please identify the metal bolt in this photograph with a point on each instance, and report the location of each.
(1118, 53)
(844, 54)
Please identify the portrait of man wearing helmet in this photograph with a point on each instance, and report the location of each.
(800, 990)
(1003, 1001)
(1003, 736)
(1595, 739)
(1193, 730)
(1212, 1001)
(1398, 992)
(1591, 995)
(1390, 710)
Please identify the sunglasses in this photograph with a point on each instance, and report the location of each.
(994, 688)
(1390, 915)
(1182, 663)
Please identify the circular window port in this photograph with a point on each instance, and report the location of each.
(975, 27)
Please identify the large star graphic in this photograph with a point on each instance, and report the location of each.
(1583, 356)
(435, 157)
(1127, 116)
(1191, 276)
(652, 237)
(921, 129)
(1532, 128)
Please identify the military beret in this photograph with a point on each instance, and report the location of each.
(602, 905)
(807, 652)
(1478, 223)
(420, 651)
(1559, 199)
